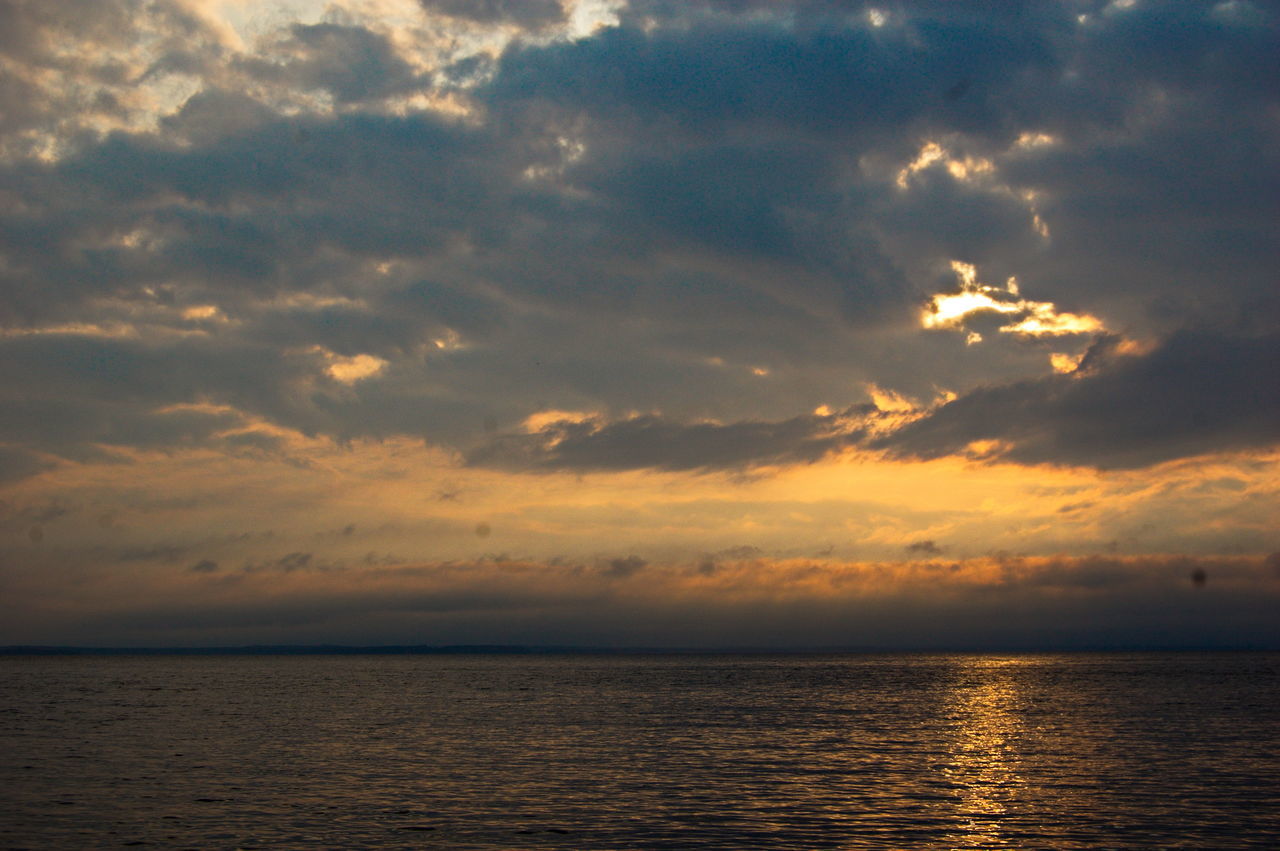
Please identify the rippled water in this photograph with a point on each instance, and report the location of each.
(874, 751)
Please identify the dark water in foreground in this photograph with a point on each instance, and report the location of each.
(812, 752)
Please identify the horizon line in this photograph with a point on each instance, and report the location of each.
(324, 649)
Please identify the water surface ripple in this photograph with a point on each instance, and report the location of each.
(635, 752)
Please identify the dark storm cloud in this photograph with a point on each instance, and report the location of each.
(633, 221)
(1196, 393)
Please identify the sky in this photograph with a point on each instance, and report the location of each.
(640, 323)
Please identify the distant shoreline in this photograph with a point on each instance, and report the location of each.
(521, 650)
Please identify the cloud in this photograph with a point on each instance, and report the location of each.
(81, 65)
(999, 602)
(622, 568)
(18, 464)
(711, 74)
(351, 63)
(728, 212)
(13, 517)
(165, 553)
(924, 547)
(300, 561)
(649, 441)
(1034, 318)
(213, 113)
(1195, 393)
(526, 13)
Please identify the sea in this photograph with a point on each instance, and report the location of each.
(638, 751)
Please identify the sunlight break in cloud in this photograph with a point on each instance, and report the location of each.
(349, 370)
(967, 168)
(1034, 318)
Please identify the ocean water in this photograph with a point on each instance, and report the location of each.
(620, 752)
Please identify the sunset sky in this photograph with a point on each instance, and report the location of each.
(709, 323)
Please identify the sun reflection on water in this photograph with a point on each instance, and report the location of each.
(985, 762)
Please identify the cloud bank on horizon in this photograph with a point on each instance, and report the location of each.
(258, 258)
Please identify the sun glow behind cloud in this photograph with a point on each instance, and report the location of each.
(349, 370)
(334, 527)
(1034, 318)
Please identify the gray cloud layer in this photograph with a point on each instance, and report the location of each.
(696, 212)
